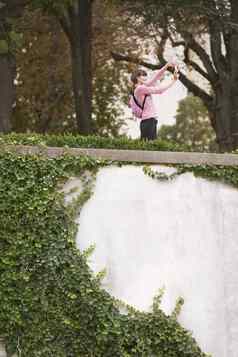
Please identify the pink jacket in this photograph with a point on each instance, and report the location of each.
(148, 88)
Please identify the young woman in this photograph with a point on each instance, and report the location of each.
(142, 90)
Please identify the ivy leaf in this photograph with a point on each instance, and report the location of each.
(4, 48)
(16, 38)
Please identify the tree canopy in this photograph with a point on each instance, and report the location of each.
(192, 126)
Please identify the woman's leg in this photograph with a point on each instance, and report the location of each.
(154, 130)
(148, 129)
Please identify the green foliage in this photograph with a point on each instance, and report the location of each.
(107, 111)
(161, 176)
(192, 126)
(226, 174)
(16, 39)
(10, 38)
(4, 48)
(70, 140)
(178, 307)
(12, 41)
(157, 301)
(44, 86)
(155, 12)
(50, 302)
(45, 104)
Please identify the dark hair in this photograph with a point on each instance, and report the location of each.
(137, 73)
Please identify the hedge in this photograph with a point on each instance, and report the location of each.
(70, 140)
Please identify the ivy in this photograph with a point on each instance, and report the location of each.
(11, 42)
(51, 304)
(225, 174)
(93, 141)
(3, 47)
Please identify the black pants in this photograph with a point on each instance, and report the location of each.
(148, 130)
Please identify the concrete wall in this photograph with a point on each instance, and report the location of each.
(180, 234)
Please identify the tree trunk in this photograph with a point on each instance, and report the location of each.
(234, 116)
(221, 117)
(224, 117)
(7, 91)
(8, 10)
(226, 93)
(234, 77)
(80, 41)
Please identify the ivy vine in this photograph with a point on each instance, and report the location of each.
(51, 304)
(225, 174)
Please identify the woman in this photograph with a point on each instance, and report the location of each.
(142, 90)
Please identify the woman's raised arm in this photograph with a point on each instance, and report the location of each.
(159, 73)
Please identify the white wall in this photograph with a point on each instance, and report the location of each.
(180, 234)
(2, 349)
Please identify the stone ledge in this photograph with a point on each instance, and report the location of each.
(150, 157)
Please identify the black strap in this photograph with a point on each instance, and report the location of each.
(137, 103)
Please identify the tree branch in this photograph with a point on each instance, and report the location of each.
(136, 60)
(216, 48)
(65, 24)
(227, 41)
(201, 53)
(204, 57)
(197, 91)
(199, 70)
(177, 43)
(210, 73)
(161, 45)
(195, 65)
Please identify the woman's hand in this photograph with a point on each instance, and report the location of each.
(176, 75)
(170, 65)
